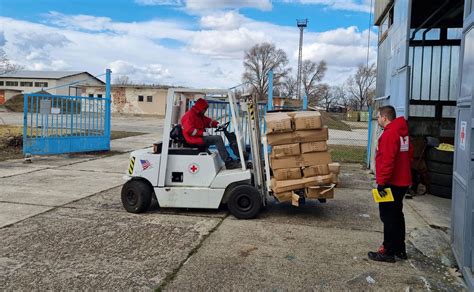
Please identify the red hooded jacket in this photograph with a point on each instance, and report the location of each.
(394, 155)
(194, 123)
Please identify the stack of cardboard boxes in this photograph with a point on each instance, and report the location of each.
(300, 161)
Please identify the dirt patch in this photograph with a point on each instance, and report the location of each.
(11, 142)
(334, 122)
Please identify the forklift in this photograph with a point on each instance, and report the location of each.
(178, 175)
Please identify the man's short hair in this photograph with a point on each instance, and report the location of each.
(388, 111)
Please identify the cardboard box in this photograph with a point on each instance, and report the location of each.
(320, 192)
(295, 200)
(285, 150)
(307, 159)
(300, 136)
(315, 170)
(287, 173)
(334, 167)
(307, 120)
(314, 147)
(334, 178)
(278, 122)
(320, 180)
(281, 186)
(283, 197)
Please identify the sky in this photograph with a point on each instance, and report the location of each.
(195, 43)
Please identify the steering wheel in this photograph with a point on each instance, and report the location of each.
(223, 127)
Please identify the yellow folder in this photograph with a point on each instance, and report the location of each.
(379, 199)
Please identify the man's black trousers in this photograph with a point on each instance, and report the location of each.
(391, 214)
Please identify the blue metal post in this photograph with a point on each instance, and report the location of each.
(270, 91)
(108, 101)
(25, 120)
(305, 102)
(369, 138)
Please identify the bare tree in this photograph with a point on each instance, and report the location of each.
(341, 96)
(6, 66)
(311, 74)
(325, 96)
(362, 85)
(288, 86)
(258, 61)
(122, 80)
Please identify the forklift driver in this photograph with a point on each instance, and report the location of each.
(194, 124)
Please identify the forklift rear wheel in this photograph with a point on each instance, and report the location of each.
(136, 196)
(244, 202)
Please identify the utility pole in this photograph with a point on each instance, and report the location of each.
(301, 23)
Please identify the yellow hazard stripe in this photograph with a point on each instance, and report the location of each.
(252, 113)
(132, 164)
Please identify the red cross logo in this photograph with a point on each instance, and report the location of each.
(193, 168)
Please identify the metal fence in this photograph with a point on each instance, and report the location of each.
(56, 124)
(220, 111)
(348, 132)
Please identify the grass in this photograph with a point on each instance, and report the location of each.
(334, 123)
(8, 151)
(343, 153)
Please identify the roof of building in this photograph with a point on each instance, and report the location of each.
(152, 86)
(44, 74)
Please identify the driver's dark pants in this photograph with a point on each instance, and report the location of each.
(219, 143)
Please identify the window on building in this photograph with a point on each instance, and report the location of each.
(140, 98)
(91, 95)
(41, 84)
(1, 83)
(26, 84)
(385, 25)
(149, 98)
(12, 83)
(99, 95)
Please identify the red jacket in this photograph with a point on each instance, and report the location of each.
(394, 155)
(194, 123)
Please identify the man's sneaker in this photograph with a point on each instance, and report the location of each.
(402, 255)
(380, 257)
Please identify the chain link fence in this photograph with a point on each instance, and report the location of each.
(348, 135)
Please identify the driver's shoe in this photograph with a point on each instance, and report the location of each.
(232, 164)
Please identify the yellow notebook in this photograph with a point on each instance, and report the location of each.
(379, 199)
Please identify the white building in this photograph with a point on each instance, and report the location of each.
(34, 81)
(132, 98)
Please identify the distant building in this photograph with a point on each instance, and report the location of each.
(132, 99)
(33, 81)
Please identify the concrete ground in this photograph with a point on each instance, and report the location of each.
(63, 227)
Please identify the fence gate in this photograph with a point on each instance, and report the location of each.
(56, 124)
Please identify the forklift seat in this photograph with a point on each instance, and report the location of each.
(177, 138)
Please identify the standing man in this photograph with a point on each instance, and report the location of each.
(392, 170)
(194, 124)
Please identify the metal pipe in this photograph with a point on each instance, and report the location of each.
(446, 2)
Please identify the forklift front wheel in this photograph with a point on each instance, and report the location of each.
(245, 202)
(136, 196)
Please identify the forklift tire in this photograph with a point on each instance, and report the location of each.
(439, 167)
(136, 196)
(434, 154)
(245, 202)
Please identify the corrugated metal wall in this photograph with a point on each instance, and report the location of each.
(380, 6)
(383, 65)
